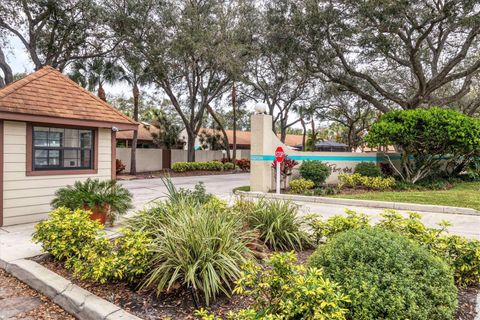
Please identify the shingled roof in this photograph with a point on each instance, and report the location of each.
(48, 96)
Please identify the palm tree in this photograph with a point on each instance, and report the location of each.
(135, 74)
(94, 73)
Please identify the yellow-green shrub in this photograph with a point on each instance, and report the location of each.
(373, 183)
(336, 224)
(72, 237)
(125, 258)
(66, 232)
(301, 185)
(286, 290)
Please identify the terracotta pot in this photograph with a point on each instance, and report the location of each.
(99, 212)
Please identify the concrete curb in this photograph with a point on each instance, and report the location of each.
(477, 309)
(364, 203)
(79, 302)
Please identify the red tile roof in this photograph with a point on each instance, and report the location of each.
(144, 133)
(244, 137)
(49, 93)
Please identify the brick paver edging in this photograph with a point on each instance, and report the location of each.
(79, 302)
(364, 203)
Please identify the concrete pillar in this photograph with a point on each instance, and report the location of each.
(261, 146)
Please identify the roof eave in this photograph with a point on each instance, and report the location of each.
(67, 121)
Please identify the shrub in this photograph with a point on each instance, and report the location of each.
(301, 185)
(388, 276)
(373, 183)
(461, 254)
(428, 139)
(286, 290)
(243, 164)
(66, 232)
(92, 193)
(387, 169)
(316, 171)
(228, 166)
(197, 166)
(337, 224)
(125, 258)
(277, 222)
(71, 236)
(119, 166)
(368, 169)
(195, 245)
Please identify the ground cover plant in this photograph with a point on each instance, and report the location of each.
(387, 276)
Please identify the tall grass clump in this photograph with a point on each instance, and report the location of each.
(276, 222)
(200, 246)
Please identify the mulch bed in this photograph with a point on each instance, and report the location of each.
(179, 303)
(45, 309)
(170, 173)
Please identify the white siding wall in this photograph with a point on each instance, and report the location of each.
(27, 198)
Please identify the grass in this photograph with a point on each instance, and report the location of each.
(465, 195)
(242, 188)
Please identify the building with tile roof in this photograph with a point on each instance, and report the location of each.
(53, 133)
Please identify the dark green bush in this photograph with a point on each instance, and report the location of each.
(316, 171)
(368, 169)
(228, 166)
(388, 276)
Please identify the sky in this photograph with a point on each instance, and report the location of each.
(20, 62)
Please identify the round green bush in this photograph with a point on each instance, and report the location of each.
(388, 276)
(316, 171)
(368, 169)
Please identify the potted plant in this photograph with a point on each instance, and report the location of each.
(105, 199)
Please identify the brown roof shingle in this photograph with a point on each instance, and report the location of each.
(144, 133)
(49, 93)
(244, 137)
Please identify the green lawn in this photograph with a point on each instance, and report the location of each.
(465, 195)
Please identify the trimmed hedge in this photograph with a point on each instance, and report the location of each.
(368, 169)
(316, 171)
(388, 276)
(198, 166)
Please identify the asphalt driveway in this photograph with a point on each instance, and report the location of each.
(147, 190)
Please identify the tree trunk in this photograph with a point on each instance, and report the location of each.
(191, 146)
(222, 128)
(133, 156)
(101, 93)
(304, 136)
(234, 102)
(7, 71)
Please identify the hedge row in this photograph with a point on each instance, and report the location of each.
(201, 166)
